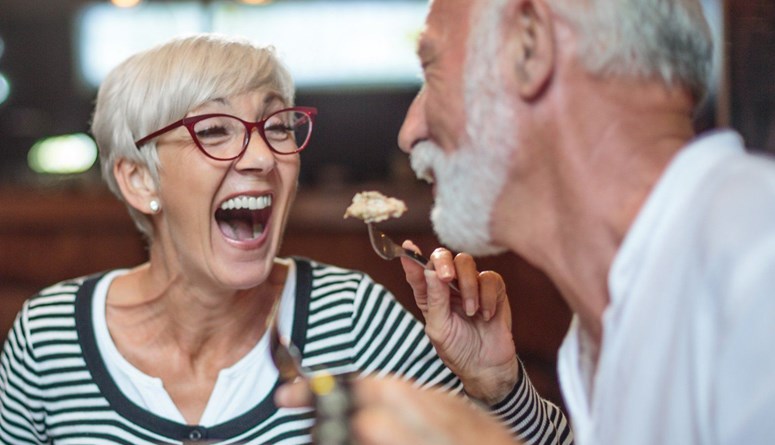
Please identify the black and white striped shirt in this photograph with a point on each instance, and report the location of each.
(55, 388)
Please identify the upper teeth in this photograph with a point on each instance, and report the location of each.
(247, 202)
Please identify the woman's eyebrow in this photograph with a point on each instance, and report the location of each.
(273, 96)
(270, 98)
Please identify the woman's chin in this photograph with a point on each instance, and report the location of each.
(243, 276)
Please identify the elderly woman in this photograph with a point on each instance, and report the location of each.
(200, 138)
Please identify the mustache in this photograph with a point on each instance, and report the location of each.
(425, 156)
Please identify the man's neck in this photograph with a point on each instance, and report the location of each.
(597, 166)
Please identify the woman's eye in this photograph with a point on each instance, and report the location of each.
(213, 131)
(279, 128)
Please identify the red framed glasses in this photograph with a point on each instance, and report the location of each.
(225, 137)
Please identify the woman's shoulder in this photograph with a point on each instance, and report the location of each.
(49, 315)
(328, 281)
(321, 271)
(59, 299)
(65, 289)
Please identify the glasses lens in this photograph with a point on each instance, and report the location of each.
(222, 137)
(288, 131)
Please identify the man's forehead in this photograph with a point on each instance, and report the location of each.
(446, 19)
(449, 12)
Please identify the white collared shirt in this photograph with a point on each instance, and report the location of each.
(688, 349)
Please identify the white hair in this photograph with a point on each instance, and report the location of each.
(660, 39)
(156, 87)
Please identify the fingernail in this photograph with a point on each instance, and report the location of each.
(470, 308)
(487, 315)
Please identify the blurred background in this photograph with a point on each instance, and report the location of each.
(353, 59)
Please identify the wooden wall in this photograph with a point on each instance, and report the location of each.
(750, 49)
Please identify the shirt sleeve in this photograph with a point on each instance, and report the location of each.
(744, 385)
(21, 410)
(390, 340)
(530, 417)
(738, 262)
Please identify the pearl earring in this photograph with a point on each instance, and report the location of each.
(155, 206)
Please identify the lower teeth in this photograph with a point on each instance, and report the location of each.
(258, 229)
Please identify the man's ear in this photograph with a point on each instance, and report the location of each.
(530, 45)
(136, 184)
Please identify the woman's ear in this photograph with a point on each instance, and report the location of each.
(137, 186)
(530, 46)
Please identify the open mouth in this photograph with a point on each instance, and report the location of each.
(244, 218)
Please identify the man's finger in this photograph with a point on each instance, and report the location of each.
(294, 395)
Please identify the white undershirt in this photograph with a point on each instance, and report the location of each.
(238, 388)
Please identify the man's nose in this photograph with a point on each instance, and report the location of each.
(415, 128)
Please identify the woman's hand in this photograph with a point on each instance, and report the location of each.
(471, 331)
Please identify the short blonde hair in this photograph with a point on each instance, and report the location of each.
(161, 85)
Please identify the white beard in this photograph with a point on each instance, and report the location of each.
(467, 186)
(470, 179)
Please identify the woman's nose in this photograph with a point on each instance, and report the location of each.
(257, 155)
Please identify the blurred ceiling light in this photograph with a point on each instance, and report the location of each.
(2, 47)
(126, 3)
(66, 154)
(5, 88)
(256, 2)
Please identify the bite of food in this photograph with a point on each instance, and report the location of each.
(373, 206)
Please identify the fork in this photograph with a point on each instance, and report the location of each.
(388, 249)
(285, 355)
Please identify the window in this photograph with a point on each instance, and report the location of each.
(324, 43)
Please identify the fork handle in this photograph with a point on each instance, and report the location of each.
(422, 261)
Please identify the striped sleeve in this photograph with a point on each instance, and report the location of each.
(531, 418)
(21, 409)
(389, 340)
(356, 325)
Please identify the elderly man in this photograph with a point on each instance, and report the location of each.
(562, 130)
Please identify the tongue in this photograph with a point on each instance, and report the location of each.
(241, 225)
(239, 230)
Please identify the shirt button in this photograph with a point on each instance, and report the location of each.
(195, 435)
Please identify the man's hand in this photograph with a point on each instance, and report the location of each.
(472, 331)
(391, 411)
